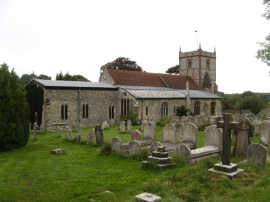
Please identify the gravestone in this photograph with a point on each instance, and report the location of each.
(264, 129)
(90, 136)
(225, 166)
(69, 133)
(78, 138)
(183, 120)
(183, 151)
(122, 126)
(99, 135)
(134, 147)
(190, 131)
(143, 123)
(116, 144)
(213, 136)
(256, 155)
(35, 126)
(105, 125)
(136, 135)
(199, 120)
(244, 132)
(169, 134)
(129, 126)
(236, 117)
(179, 133)
(154, 146)
(149, 131)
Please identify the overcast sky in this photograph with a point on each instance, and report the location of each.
(78, 37)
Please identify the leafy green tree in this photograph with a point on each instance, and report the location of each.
(68, 77)
(252, 102)
(25, 78)
(14, 114)
(122, 63)
(173, 70)
(264, 52)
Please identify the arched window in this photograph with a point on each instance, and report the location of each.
(197, 108)
(124, 105)
(164, 109)
(213, 108)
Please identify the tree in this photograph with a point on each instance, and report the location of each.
(122, 63)
(14, 114)
(68, 77)
(252, 102)
(264, 52)
(173, 70)
(25, 78)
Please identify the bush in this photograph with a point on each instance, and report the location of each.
(163, 121)
(14, 114)
(133, 117)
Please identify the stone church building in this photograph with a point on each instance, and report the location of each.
(149, 95)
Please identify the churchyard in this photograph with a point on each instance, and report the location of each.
(87, 172)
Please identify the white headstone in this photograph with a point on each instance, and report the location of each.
(213, 136)
(169, 134)
(116, 144)
(149, 131)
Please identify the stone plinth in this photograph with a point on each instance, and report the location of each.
(230, 170)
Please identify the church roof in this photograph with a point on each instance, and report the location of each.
(136, 78)
(142, 92)
(200, 94)
(72, 84)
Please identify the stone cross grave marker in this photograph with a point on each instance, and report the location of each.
(225, 166)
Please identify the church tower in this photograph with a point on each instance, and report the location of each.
(201, 66)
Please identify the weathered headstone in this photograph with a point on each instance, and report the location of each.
(69, 133)
(213, 136)
(134, 147)
(116, 144)
(236, 117)
(122, 126)
(35, 126)
(129, 126)
(78, 138)
(264, 130)
(190, 131)
(183, 151)
(169, 134)
(99, 135)
(149, 131)
(179, 133)
(256, 155)
(136, 135)
(90, 136)
(105, 125)
(244, 132)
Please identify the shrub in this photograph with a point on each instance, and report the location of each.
(163, 121)
(14, 114)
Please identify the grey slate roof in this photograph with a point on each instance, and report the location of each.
(200, 94)
(163, 92)
(140, 92)
(72, 84)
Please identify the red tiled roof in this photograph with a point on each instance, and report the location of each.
(136, 78)
(179, 82)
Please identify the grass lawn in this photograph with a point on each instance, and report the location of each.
(83, 174)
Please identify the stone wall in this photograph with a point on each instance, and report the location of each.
(98, 102)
